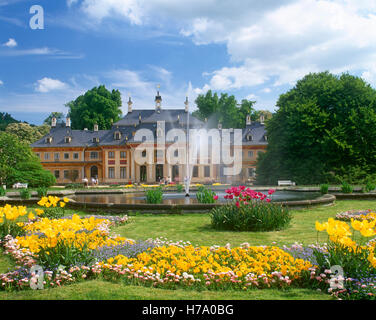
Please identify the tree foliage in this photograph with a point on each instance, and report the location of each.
(323, 131)
(19, 164)
(224, 109)
(26, 133)
(5, 119)
(97, 106)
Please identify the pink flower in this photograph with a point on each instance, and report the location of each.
(237, 204)
(215, 197)
(271, 191)
(268, 200)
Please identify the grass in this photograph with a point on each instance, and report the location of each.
(195, 228)
(103, 290)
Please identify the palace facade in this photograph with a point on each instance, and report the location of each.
(109, 155)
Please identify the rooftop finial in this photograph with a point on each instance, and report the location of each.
(158, 100)
(130, 103)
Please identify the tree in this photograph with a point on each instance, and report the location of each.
(19, 164)
(97, 106)
(27, 133)
(57, 115)
(224, 109)
(325, 127)
(5, 119)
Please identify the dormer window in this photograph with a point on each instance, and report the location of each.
(68, 139)
(49, 140)
(249, 137)
(96, 140)
(266, 138)
(117, 135)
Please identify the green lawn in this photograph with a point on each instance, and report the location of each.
(196, 228)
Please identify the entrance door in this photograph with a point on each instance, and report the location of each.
(94, 172)
(175, 173)
(159, 172)
(143, 173)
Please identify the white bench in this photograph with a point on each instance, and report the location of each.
(286, 183)
(19, 185)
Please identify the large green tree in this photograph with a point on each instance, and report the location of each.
(224, 109)
(97, 106)
(27, 133)
(324, 129)
(5, 119)
(19, 164)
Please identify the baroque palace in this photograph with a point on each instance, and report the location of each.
(108, 155)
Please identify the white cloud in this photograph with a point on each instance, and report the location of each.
(11, 43)
(277, 41)
(1, 83)
(47, 84)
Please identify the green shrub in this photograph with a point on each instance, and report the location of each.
(255, 216)
(346, 188)
(154, 195)
(3, 192)
(42, 192)
(179, 188)
(25, 194)
(31, 173)
(324, 188)
(74, 186)
(205, 195)
(370, 186)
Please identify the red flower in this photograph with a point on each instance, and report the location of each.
(268, 200)
(271, 191)
(237, 204)
(215, 197)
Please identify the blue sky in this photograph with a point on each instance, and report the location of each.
(252, 49)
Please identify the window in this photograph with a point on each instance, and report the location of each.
(176, 153)
(207, 171)
(96, 140)
(68, 139)
(249, 137)
(250, 154)
(111, 172)
(46, 156)
(94, 155)
(57, 156)
(57, 174)
(75, 155)
(66, 174)
(111, 154)
(66, 156)
(144, 154)
(195, 172)
(123, 172)
(117, 135)
(123, 154)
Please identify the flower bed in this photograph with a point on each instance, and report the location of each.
(356, 215)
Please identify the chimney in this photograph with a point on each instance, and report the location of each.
(68, 122)
(262, 119)
(53, 122)
(95, 127)
(248, 120)
(186, 104)
(130, 103)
